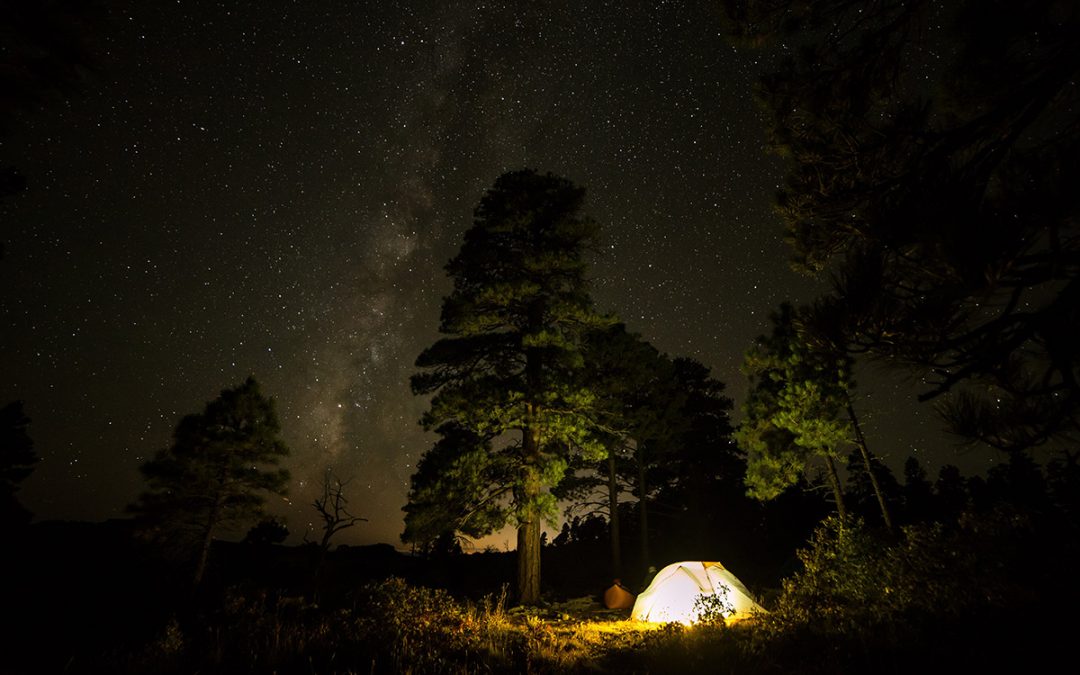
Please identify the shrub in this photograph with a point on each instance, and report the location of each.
(713, 609)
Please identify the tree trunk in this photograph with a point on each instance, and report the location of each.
(204, 550)
(860, 441)
(643, 508)
(528, 541)
(613, 508)
(834, 482)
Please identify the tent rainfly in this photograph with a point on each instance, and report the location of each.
(674, 592)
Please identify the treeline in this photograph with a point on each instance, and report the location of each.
(759, 540)
(541, 401)
(938, 204)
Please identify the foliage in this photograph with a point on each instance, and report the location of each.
(698, 455)
(213, 477)
(852, 581)
(933, 162)
(860, 491)
(460, 485)
(17, 460)
(269, 530)
(666, 424)
(505, 396)
(633, 387)
(713, 609)
(422, 629)
(395, 627)
(795, 409)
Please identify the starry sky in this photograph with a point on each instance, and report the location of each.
(272, 188)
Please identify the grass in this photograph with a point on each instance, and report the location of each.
(392, 627)
(926, 599)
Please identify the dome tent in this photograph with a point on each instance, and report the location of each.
(674, 592)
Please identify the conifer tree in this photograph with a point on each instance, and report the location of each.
(17, 460)
(701, 456)
(933, 152)
(505, 397)
(799, 408)
(215, 475)
(636, 397)
(789, 421)
(666, 425)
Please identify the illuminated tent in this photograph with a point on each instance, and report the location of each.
(674, 591)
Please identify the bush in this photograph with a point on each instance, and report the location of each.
(866, 601)
(426, 630)
(713, 609)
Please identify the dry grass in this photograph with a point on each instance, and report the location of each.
(575, 635)
(397, 628)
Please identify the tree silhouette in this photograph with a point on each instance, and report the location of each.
(635, 395)
(918, 493)
(799, 409)
(215, 475)
(504, 378)
(681, 444)
(460, 485)
(862, 490)
(788, 420)
(951, 492)
(17, 460)
(935, 153)
(269, 530)
(665, 424)
(700, 458)
(332, 506)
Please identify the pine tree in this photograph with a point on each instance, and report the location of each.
(666, 425)
(621, 368)
(790, 419)
(800, 408)
(215, 475)
(934, 155)
(918, 492)
(701, 455)
(17, 460)
(461, 485)
(638, 398)
(506, 401)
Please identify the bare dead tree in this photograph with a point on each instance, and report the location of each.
(332, 506)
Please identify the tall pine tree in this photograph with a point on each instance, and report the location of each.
(636, 392)
(799, 409)
(215, 475)
(934, 155)
(503, 380)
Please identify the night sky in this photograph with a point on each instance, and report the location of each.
(272, 188)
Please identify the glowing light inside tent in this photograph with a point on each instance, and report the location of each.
(674, 594)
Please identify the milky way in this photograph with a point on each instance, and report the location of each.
(273, 189)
